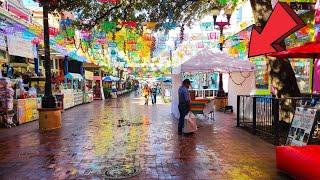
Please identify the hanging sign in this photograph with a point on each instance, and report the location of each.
(147, 37)
(130, 24)
(35, 41)
(169, 25)
(150, 25)
(131, 42)
(112, 44)
(213, 36)
(53, 31)
(107, 26)
(66, 22)
(302, 126)
(206, 26)
(200, 45)
(27, 35)
(18, 46)
(35, 29)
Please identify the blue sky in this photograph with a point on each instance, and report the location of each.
(30, 3)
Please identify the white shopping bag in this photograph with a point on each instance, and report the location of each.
(190, 123)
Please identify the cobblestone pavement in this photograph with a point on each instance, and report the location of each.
(90, 141)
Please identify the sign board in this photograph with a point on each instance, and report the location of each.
(18, 46)
(302, 126)
(88, 75)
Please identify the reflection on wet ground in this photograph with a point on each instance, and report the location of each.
(123, 131)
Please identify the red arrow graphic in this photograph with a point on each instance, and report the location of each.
(282, 22)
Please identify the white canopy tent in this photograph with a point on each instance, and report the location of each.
(241, 74)
(210, 61)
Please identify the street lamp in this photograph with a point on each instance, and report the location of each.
(221, 20)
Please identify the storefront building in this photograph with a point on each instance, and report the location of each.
(239, 42)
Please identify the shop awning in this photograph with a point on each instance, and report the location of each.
(110, 79)
(163, 78)
(107, 79)
(73, 76)
(308, 50)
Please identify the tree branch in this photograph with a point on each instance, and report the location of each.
(97, 20)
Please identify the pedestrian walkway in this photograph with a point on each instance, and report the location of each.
(93, 139)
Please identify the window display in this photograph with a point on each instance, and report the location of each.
(262, 74)
(301, 68)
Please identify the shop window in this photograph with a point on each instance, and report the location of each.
(262, 74)
(214, 80)
(301, 68)
(203, 80)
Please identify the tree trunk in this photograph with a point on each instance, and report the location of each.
(282, 75)
(283, 78)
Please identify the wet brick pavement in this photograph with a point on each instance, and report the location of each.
(91, 141)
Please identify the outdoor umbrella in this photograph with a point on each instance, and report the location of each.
(308, 50)
(107, 79)
(161, 79)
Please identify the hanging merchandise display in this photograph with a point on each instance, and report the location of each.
(6, 103)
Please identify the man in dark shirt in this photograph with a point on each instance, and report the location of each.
(184, 103)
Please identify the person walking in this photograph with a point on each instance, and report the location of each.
(146, 93)
(184, 103)
(136, 88)
(154, 91)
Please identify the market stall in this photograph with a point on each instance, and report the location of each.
(88, 90)
(109, 86)
(27, 99)
(241, 74)
(309, 50)
(73, 95)
(97, 88)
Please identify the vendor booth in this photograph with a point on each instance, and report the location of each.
(88, 89)
(240, 74)
(73, 95)
(97, 88)
(109, 86)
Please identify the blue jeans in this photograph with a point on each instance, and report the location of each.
(154, 98)
(183, 110)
